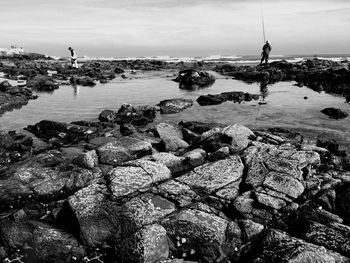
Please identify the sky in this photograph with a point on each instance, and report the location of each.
(121, 28)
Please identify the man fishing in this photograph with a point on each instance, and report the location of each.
(266, 52)
(73, 58)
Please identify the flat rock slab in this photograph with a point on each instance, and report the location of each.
(174, 105)
(138, 175)
(211, 177)
(122, 150)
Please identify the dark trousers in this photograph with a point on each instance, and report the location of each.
(265, 57)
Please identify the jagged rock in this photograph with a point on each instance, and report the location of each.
(149, 244)
(335, 113)
(144, 210)
(4, 85)
(42, 83)
(178, 192)
(138, 116)
(279, 171)
(41, 177)
(87, 160)
(172, 137)
(279, 247)
(174, 105)
(83, 81)
(211, 177)
(199, 235)
(63, 132)
(96, 217)
(122, 150)
(190, 77)
(136, 176)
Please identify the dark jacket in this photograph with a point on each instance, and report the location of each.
(267, 48)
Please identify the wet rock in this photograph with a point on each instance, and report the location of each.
(279, 247)
(335, 113)
(14, 98)
(107, 115)
(4, 85)
(42, 83)
(210, 177)
(235, 96)
(210, 99)
(199, 127)
(138, 175)
(149, 244)
(122, 150)
(83, 81)
(64, 133)
(174, 105)
(190, 77)
(138, 116)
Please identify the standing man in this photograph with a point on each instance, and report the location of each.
(73, 58)
(266, 52)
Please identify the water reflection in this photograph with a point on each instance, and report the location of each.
(264, 92)
(75, 91)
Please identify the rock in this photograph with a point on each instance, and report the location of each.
(335, 113)
(205, 100)
(200, 235)
(138, 116)
(136, 176)
(277, 170)
(210, 177)
(41, 177)
(42, 83)
(149, 244)
(90, 212)
(190, 77)
(143, 210)
(178, 192)
(220, 154)
(199, 127)
(53, 244)
(107, 115)
(174, 105)
(172, 137)
(122, 150)
(235, 96)
(240, 136)
(83, 81)
(118, 70)
(4, 85)
(87, 160)
(279, 247)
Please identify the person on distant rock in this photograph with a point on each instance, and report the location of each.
(266, 52)
(73, 58)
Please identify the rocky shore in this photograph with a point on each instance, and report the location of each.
(126, 189)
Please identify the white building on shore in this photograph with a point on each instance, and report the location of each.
(12, 50)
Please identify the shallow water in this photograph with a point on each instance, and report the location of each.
(285, 104)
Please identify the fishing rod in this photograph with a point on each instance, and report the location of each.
(262, 20)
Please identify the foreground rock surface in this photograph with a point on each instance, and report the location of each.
(193, 192)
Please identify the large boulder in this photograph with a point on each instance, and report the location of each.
(138, 115)
(172, 137)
